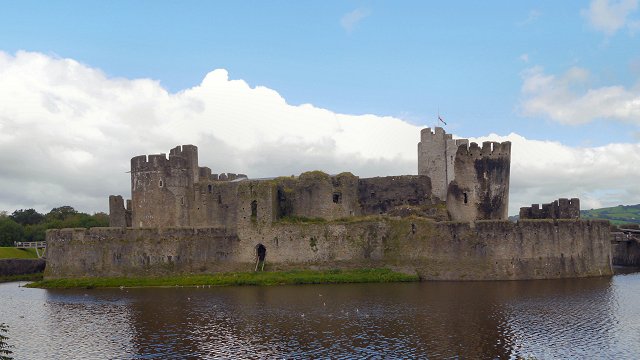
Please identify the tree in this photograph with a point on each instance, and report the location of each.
(27, 217)
(10, 231)
(61, 213)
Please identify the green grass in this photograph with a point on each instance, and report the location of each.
(292, 219)
(25, 277)
(15, 253)
(238, 278)
(617, 215)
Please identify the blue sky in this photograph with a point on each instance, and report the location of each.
(552, 71)
(404, 59)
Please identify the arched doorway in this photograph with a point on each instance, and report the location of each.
(261, 255)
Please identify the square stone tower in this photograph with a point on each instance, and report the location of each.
(436, 158)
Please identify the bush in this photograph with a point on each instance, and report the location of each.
(10, 231)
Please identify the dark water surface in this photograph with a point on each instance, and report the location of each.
(579, 318)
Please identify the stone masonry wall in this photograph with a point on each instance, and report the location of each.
(480, 190)
(626, 253)
(117, 212)
(381, 194)
(492, 250)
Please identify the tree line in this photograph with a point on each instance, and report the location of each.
(30, 225)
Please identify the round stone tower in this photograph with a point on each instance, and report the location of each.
(480, 190)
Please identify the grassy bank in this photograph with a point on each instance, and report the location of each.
(15, 253)
(25, 277)
(237, 278)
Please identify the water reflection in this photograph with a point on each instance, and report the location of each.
(595, 318)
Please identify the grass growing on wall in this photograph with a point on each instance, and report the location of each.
(15, 253)
(238, 278)
(24, 277)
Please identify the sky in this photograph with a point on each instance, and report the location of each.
(271, 88)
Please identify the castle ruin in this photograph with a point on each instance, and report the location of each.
(176, 191)
(449, 222)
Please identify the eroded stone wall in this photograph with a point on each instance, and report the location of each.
(559, 209)
(626, 253)
(380, 195)
(480, 190)
(492, 250)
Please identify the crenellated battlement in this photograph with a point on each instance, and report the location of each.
(180, 158)
(559, 209)
(184, 151)
(438, 133)
(488, 149)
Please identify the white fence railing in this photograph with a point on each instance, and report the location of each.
(30, 244)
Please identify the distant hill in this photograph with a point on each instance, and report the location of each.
(617, 215)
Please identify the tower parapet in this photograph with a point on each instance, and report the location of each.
(436, 158)
(162, 188)
(480, 190)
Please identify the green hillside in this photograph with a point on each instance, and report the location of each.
(621, 214)
(13, 253)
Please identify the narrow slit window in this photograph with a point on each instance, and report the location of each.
(465, 198)
(254, 209)
(161, 183)
(210, 188)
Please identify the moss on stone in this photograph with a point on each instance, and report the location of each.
(381, 275)
(314, 175)
(292, 219)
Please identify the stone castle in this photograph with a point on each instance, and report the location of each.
(472, 181)
(447, 222)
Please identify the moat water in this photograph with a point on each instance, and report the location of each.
(579, 318)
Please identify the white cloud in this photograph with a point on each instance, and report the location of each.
(542, 171)
(610, 16)
(68, 131)
(524, 58)
(568, 100)
(351, 19)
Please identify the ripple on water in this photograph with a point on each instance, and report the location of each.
(580, 318)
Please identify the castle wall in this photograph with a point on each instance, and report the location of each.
(480, 190)
(318, 195)
(117, 212)
(436, 158)
(215, 204)
(491, 250)
(625, 253)
(381, 194)
(559, 209)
